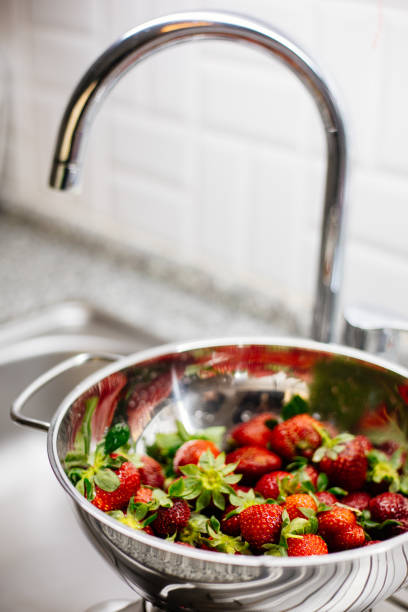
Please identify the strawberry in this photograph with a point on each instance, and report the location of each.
(239, 500)
(170, 520)
(261, 524)
(255, 432)
(268, 484)
(365, 443)
(230, 526)
(390, 507)
(128, 484)
(311, 473)
(334, 521)
(326, 498)
(144, 495)
(357, 499)
(298, 435)
(345, 463)
(253, 462)
(294, 504)
(191, 451)
(308, 544)
(151, 473)
(347, 538)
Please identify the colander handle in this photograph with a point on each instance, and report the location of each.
(40, 382)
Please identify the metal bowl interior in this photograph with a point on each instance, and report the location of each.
(222, 383)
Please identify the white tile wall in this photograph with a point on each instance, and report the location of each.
(212, 154)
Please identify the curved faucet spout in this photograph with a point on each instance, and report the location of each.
(164, 32)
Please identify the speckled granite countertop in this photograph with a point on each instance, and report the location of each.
(43, 265)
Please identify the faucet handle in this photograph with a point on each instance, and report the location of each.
(376, 331)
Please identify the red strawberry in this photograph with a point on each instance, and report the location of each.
(143, 496)
(268, 485)
(357, 499)
(299, 435)
(312, 474)
(129, 477)
(390, 506)
(347, 538)
(340, 530)
(365, 443)
(309, 544)
(191, 451)
(148, 530)
(261, 524)
(253, 462)
(239, 487)
(254, 432)
(325, 497)
(294, 503)
(169, 520)
(151, 472)
(230, 526)
(334, 521)
(349, 469)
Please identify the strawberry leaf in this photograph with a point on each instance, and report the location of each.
(219, 500)
(115, 462)
(337, 491)
(297, 405)
(88, 489)
(275, 550)
(297, 464)
(322, 481)
(117, 436)
(203, 500)
(149, 520)
(76, 474)
(177, 488)
(223, 542)
(207, 481)
(75, 459)
(137, 510)
(116, 514)
(107, 480)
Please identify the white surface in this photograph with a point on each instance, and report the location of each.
(212, 154)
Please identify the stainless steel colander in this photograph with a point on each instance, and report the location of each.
(221, 383)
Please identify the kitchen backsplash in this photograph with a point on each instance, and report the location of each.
(212, 154)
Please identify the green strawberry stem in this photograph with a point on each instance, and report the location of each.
(206, 482)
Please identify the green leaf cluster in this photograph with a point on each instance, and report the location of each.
(86, 469)
(207, 482)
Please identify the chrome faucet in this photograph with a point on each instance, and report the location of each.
(164, 32)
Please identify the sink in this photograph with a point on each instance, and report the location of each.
(46, 563)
